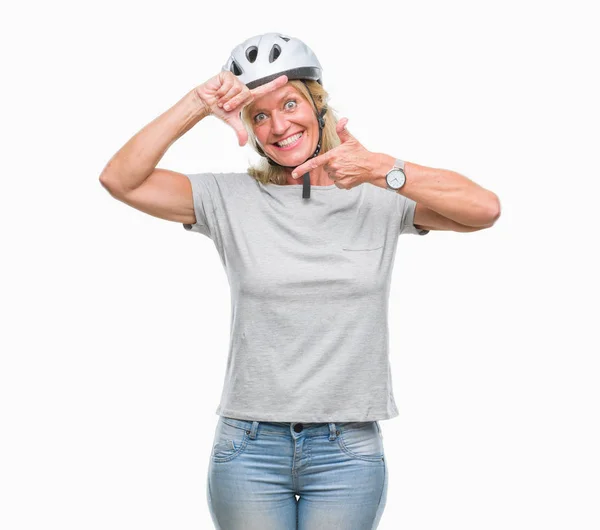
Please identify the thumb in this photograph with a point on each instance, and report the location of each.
(342, 132)
(236, 124)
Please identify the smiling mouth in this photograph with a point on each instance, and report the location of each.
(287, 144)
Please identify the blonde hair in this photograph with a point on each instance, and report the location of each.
(265, 172)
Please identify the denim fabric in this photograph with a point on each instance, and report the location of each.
(256, 470)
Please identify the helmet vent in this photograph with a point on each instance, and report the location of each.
(251, 53)
(286, 39)
(275, 52)
(235, 68)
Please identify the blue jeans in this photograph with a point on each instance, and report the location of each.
(256, 470)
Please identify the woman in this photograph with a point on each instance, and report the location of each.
(308, 375)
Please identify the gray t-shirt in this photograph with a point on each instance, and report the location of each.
(309, 282)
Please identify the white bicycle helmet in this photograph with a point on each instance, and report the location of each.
(262, 58)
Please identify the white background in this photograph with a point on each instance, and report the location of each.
(115, 324)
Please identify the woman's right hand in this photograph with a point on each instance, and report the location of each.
(226, 89)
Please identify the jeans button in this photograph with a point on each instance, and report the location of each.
(298, 427)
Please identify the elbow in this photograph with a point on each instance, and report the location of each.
(108, 179)
(104, 182)
(109, 185)
(489, 213)
(495, 209)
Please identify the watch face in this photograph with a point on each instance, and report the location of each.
(396, 178)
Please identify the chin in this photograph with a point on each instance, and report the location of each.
(291, 159)
(294, 160)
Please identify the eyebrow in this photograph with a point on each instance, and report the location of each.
(286, 95)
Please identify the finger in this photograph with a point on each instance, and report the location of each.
(342, 132)
(270, 86)
(236, 101)
(242, 135)
(227, 83)
(240, 131)
(313, 164)
(232, 92)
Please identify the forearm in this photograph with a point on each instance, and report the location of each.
(137, 159)
(446, 192)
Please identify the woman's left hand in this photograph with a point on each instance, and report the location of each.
(348, 165)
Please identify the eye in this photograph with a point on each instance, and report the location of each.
(256, 120)
(290, 101)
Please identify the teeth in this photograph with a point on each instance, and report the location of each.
(289, 140)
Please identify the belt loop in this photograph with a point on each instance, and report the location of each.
(253, 430)
(332, 431)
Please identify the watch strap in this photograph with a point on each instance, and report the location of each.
(399, 163)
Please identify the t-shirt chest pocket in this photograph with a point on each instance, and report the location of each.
(365, 232)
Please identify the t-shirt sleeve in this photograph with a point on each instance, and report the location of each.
(203, 190)
(407, 213)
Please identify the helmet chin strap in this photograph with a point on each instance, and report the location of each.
(306, 176)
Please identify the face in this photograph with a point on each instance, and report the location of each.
(280, 116)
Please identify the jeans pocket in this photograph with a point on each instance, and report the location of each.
(361, 440)
(229, 442)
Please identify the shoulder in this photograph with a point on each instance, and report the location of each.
(223, 183)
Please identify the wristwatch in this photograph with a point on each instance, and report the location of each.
(396, 177)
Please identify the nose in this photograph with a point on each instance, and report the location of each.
(279, 123)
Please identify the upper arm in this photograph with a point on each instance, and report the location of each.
(165, 194)
(428, 219)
